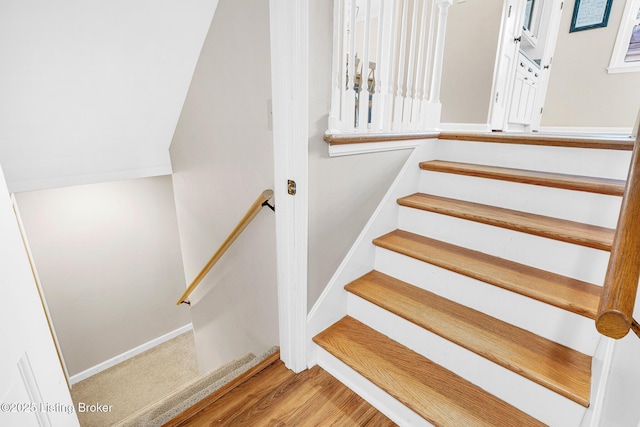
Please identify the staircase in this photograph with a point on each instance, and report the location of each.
(470, 297)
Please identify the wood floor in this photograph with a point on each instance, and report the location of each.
(277, 397)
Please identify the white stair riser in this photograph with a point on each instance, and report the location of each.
(579, 262)
(579, 206)
(572, 330)
(377, 397)
(588, 162)
(536, 400)
(331, 305)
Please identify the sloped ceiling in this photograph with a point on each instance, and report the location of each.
(91, 90)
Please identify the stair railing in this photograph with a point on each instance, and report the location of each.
(403, 41)
(256, 207)
(615, 313)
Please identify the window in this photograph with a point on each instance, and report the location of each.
(626, 52)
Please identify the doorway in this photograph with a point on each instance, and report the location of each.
(526, 45)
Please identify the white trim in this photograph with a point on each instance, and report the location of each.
(39, 173)
(600, 380)
(617, 63)
(465, 127)
(289, 22)
(634, 67)
(620, 131)
(74, 379)
(332, 303)
(36, 277)
(339, 150)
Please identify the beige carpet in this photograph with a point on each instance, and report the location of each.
(155, 386)
(137, 382)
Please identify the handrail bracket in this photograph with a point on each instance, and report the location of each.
(266, 203)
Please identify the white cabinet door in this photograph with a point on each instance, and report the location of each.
(525, 89)
(33, 389)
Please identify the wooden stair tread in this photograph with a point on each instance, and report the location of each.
(552, 365)
(613, 187)
(560, 291)
(438, 395)
(588, 235)
(613, 143)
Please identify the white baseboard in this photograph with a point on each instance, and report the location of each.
(465, 127)
(128, 354)
(373, 147)
(568, 130)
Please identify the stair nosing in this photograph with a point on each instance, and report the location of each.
(573, 232)
(413, 387)
(452, 321)
(551, 288)
(596, 185)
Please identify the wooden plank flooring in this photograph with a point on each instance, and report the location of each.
(561, 291)
(438, 395)
(588, 235)
(549, 364)
(612, 187)
(278, 397)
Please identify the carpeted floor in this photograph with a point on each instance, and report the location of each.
(137, 382)
(153, 387)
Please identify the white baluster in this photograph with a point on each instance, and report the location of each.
(349, 49)
(434, 97)
(378, 97)
(419, 86)
(385, 66)
(411, 68)
(424, 100)
(338, 68)
(400, 69)
(363, 100)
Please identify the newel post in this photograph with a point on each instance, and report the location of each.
(438, 58)
(443, 12)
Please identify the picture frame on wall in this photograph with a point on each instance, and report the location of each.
(589, 14)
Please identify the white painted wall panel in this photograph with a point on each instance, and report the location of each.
(108, 257)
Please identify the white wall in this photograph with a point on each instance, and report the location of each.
(581, 92)
(471, 44)
(222, 157)
(623, 392)
(24, 332)
(343, 191)
(92, 90)
(108, 257)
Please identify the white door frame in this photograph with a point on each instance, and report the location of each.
(506, 61)
(555, 17)
(38, 283)
(503, 78)
(289, 22)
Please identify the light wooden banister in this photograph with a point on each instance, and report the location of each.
(615, 313)
(255, 208)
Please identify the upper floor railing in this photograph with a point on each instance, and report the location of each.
(387, 65)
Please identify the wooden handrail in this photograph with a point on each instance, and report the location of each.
(635, 327)
(244, 222)
(614, 318)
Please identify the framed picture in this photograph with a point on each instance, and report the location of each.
(588, 14)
